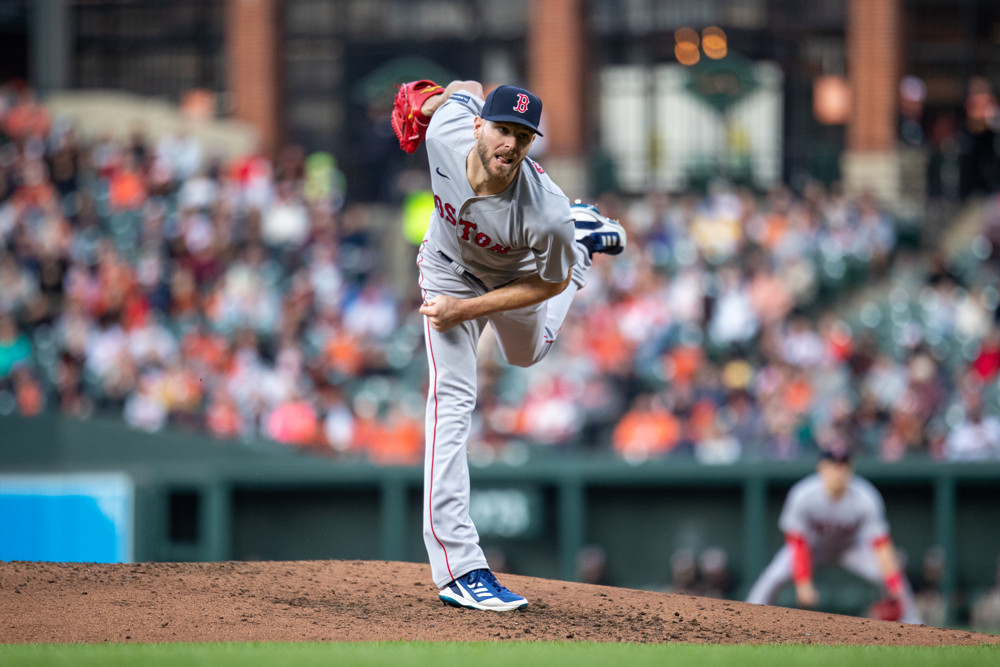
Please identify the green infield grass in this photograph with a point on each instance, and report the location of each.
(482, 654)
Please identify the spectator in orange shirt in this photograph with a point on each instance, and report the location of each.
(797, 394)
(28, 118)
(683, 362)
(223, 417)
(647, 430)
(400, 440)
(28, 392)
(36, 189)
(343, 354)
(127, 186)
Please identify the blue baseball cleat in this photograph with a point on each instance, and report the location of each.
(598, 233)
(479, 589)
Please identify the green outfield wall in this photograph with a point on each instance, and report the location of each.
(198, 499)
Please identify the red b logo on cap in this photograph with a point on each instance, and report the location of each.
(522, 103)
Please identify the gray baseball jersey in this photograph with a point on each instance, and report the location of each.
(526, 229)
(475, 244)
(831, 526)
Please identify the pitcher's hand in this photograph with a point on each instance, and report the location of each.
(443, 311)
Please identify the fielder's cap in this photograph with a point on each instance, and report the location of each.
(510, 104)
(835, 454)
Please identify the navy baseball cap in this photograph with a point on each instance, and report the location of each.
(836, 454)
(510, 104)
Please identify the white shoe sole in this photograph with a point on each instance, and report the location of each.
(595, 226)
(449, 598)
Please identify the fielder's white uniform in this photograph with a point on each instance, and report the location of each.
(839, 532)
(475, 244)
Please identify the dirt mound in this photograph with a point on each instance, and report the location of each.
(383, 601)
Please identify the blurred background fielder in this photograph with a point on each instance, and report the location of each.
(834, 518)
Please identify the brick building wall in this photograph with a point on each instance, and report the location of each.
(253, 59)
(557, 72)
(873, 49)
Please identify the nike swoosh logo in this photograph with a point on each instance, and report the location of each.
(441, 174)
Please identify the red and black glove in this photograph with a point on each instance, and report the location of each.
(408, 123)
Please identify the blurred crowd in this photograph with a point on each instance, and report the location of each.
(248, 298)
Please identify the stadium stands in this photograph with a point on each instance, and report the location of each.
(150, 280)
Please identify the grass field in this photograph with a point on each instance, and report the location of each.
(487, 655)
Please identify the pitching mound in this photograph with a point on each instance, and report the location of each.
(370, 600)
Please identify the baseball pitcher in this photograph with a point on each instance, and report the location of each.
(504, 248)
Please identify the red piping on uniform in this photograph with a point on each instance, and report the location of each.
(420, 274)
(430, 482)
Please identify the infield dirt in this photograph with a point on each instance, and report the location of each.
(386, 601)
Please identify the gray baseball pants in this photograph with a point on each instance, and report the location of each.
(858, 560)
(524, 337)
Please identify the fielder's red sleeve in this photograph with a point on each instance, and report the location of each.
(801, 557)
(894, 582)
(880, 541)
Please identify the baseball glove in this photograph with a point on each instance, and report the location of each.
(886, 609)
(408, 123)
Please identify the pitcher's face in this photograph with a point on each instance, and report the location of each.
(502, 147)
